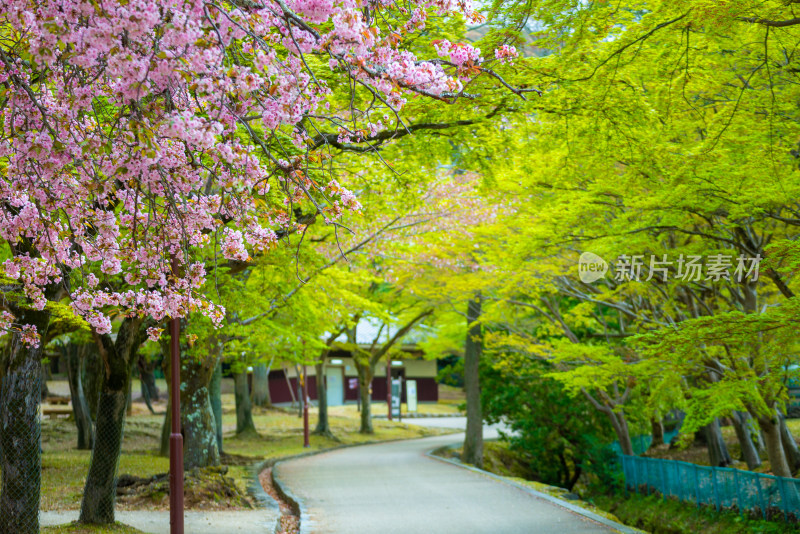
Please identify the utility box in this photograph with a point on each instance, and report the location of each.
(397, 393)
(411, 395)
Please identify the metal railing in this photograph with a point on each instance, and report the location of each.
(721, 487)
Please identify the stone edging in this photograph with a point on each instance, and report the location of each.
(256, 490)
(618, 527)
(419, 415)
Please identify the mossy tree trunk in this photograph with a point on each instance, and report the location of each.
(261, 385)
(198, 423)
(20, 430)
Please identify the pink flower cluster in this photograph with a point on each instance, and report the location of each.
(458, 53)
(506, 53)
(28, 335)
(138, 131)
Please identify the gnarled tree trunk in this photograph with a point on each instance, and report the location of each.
(741, 424)
(718, 454)
(770, 429)
(789, 445)
(620, 425)
(20, 430)
(198, 423)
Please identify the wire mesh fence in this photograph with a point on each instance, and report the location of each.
(723, 488)
(20, 449)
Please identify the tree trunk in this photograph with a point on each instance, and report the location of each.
(244, 410)
(770, 428)
(302, 400)
(365, 375)
(473, 348)
(44, 391)
(718, 454)
(129, 398)
(73, 355)
(198, 424)
(100, 491)
(741, 424)
(92, 378)
(215, 395)
(620, 425)
(261, 385)
(20, 430)
(323, 426)
(789, 445)
(147, 378)
(166, 428)
(658, 433)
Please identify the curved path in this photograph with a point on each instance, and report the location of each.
(396, 488)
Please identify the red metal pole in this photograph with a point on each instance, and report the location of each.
(175, 438)
(389, 387)
(306, 443)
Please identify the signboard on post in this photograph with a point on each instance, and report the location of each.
(396, 396)
(411, 395)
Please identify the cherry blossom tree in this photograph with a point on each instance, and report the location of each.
(135, 134)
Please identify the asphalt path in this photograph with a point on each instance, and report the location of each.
(397, 488)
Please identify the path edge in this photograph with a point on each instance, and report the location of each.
(618, 527)
(280, 486)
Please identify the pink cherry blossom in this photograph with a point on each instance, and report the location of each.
(140, 131)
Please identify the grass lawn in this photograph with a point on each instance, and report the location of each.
(117, 528)
(279, 434)
(659, 516)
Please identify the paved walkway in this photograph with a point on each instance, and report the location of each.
(245, 522)
(396, 488)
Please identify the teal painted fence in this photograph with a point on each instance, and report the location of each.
(720, 487)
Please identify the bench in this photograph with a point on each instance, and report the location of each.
(56, 411)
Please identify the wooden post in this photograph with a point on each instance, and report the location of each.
(306, 443)
(389, 387)
(175, 437)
